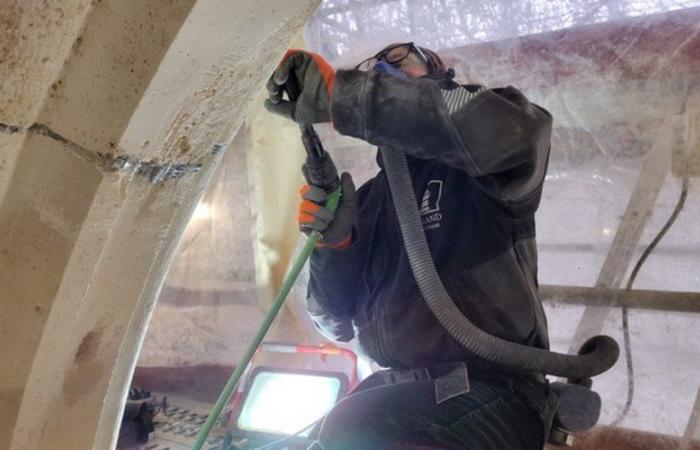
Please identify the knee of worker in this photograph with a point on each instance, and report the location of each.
(353, 423)
(348, 418)
(378, 403)
(378, 417)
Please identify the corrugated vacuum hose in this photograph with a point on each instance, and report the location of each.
(597, 355)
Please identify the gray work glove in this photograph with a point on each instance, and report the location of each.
(336, 229)
(308, 81)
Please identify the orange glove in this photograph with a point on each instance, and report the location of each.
(336, 229)
(308, 81)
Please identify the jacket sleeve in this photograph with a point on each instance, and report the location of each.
(498, 137)
(331, 294)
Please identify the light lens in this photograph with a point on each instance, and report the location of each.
(285, 403)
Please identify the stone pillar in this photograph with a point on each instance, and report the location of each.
(113, 115)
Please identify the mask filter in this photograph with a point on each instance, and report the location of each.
(385, 67)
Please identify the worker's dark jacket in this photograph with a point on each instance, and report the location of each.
(477, 159)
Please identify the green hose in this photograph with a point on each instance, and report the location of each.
(331, 204)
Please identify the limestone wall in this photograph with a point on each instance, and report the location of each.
(113, 116)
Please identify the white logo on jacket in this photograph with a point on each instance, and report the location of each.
(430, 205)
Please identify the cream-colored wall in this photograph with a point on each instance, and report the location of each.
(114, 115)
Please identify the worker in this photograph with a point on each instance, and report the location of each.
(477, 159)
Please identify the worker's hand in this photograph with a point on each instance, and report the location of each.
(308, 81)
(336, 229)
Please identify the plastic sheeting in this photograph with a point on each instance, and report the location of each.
(208, 309)
(622, 80)
(349, 27)
(234, 255)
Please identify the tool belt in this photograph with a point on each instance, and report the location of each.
(450, 379)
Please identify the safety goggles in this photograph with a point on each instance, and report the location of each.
(395, 54)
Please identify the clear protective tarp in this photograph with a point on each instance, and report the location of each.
(622, 80)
